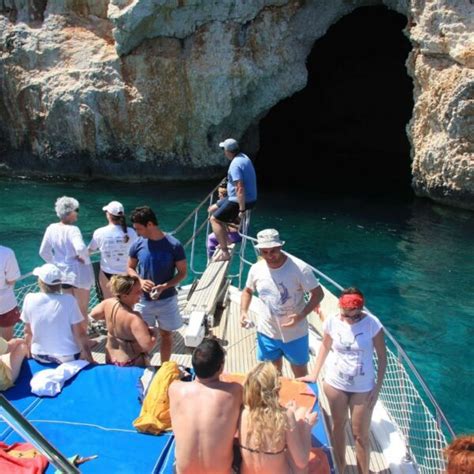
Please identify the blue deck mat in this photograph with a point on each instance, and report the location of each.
(82, 419)
(319, 439)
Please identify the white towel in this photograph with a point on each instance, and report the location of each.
(49, 382)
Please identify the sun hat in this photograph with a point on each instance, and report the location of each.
(230, 144)
(115, 208)
(49, 273)
(269, 238)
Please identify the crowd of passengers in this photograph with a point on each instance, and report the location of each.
(140, 268)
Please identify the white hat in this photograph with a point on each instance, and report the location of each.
(49, 273)
(229, 145)
(115, 208)
(269, 238)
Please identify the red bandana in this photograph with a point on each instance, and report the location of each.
(351, 301)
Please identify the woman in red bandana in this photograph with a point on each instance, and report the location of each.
(349, 378)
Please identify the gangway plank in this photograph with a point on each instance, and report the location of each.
(210, 287)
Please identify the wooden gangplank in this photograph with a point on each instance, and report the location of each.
(210, 287)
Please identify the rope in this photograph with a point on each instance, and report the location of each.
(77, 423)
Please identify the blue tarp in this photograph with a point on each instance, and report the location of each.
(92, 415)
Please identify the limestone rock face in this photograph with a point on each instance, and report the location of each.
(442, 126)
(146, 89)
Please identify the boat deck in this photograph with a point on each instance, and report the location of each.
(241, 357)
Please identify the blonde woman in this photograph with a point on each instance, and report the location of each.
(128, 338)
(272, 439)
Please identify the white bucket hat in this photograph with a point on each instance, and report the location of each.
(269, 238)
(49, 273)
(115, 208)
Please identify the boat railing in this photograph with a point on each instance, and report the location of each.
(28, 432)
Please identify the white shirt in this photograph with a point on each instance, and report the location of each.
(282, 292)
(61, 245)
(51, 316)
(110, 240)
(10, 271)
(350, 366)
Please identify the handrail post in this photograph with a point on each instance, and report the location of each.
(191, 263)
(29, 433)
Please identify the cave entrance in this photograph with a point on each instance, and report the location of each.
(349, 123)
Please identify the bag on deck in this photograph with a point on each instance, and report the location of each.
(21, 458)
(155, 413)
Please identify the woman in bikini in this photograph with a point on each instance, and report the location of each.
(272, 439)
(128, 338)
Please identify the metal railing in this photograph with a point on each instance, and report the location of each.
(29, 433)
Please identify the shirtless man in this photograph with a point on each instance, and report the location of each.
(204, 414)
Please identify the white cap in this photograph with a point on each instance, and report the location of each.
(269, 238)
(229, 144)
(115, 208)
(49, 273)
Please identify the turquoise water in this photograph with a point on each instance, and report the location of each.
(412, 259)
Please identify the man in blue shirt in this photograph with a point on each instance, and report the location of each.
(159, 261)
(241, 194)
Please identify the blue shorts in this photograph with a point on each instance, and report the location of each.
(296, 352)
(165, 312)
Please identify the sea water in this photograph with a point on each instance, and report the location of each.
(413, 259)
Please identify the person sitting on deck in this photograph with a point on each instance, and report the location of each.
(272, 439)
(129, 340)
(54, 325)
(204, 414)
(12, 353)
(233, 235)
(242, 194)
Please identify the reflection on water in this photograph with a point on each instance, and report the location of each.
(412, 259)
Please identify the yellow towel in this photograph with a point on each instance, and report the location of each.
(155, 413)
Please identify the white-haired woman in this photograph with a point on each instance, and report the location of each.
(64, 247)
(113, 241)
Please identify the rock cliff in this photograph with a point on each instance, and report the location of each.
(145, 89)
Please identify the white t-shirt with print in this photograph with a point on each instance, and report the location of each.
(61, 245)
(282, 292)
(349, 365)
(110, 240)
(51, 316)
(10, 271)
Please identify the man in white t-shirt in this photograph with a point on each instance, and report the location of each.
(281, 282)
(9, 312)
